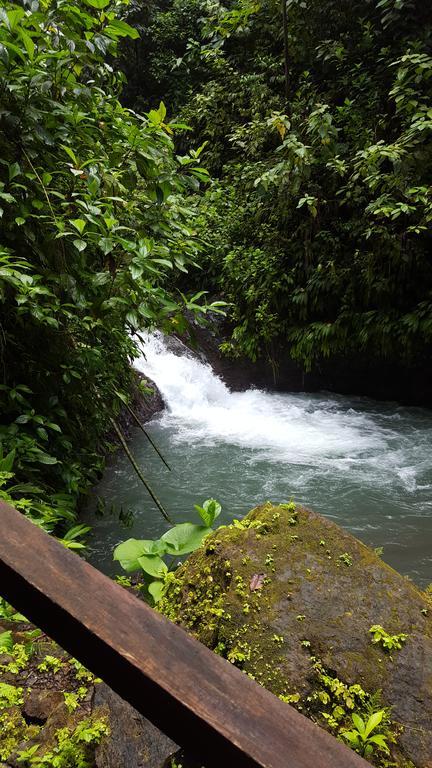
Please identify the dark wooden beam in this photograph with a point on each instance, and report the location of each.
(201, 701)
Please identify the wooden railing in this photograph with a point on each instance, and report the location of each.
(207, 706)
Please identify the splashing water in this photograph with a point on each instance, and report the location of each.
(366, 465)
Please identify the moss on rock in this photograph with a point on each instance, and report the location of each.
(289, 597)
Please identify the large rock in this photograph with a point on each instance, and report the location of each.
(290, 597)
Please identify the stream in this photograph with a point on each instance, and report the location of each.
(366, 465)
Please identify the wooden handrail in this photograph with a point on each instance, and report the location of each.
(198, 699)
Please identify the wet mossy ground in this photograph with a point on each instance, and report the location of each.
(289, 597)
(46, 712)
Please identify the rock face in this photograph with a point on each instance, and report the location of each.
(290, 597)
(133, 741)
(410, 384)
(145, 405)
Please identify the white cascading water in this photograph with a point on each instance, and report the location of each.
(289, 428)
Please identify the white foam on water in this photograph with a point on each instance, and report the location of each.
(322, 432)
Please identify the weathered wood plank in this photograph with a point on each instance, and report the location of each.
(198, 699)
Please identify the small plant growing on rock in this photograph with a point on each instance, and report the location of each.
(10, 696)
(9, 613)
(73, 747)
(50, 664)
(345, 558)
(290, 507)
(388, 642)
(362, 738)
(147, 555)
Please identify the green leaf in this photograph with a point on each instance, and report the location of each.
(79, 224)
(136, 271)
(373, 721)
(132, 318)
(76, 532)
(6, 464)
(6, 641)
(45, 458)
(71, 154)
(185, 538)
(128, 552)
(119, 28)
(358, 722)
(153, 565)
(98, 4)
(14, 17)
(352, 737)
(210, 510)
(164, 262)
(380, 740)
(106, 244)
(80, 245)
(157, 589)
(28, 44)
(14, 170)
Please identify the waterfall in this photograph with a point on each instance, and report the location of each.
(289, 428)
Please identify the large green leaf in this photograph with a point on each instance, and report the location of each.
(119, 28)
(129, 552)
(6, 463)
(185, 538)
(98, 4)
(153, 565)
(358, 722)
(373, 721)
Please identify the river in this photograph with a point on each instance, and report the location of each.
(364, 464)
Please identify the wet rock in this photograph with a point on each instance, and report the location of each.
(40, 704)
(147, 404)
(361, 374)
(309, 623)
(134, 742)
(45, 738)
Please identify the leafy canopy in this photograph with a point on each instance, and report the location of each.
(93, 220)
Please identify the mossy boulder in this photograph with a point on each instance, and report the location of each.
(291, 598)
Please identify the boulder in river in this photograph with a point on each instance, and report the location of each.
(291, 598)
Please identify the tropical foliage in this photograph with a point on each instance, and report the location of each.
(93, 219)
(319, 223)
(147, 556)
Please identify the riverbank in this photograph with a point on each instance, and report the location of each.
(363, 376)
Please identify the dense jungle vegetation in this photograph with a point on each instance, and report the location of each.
(311, 216)
(318, 140)
(93, 217)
